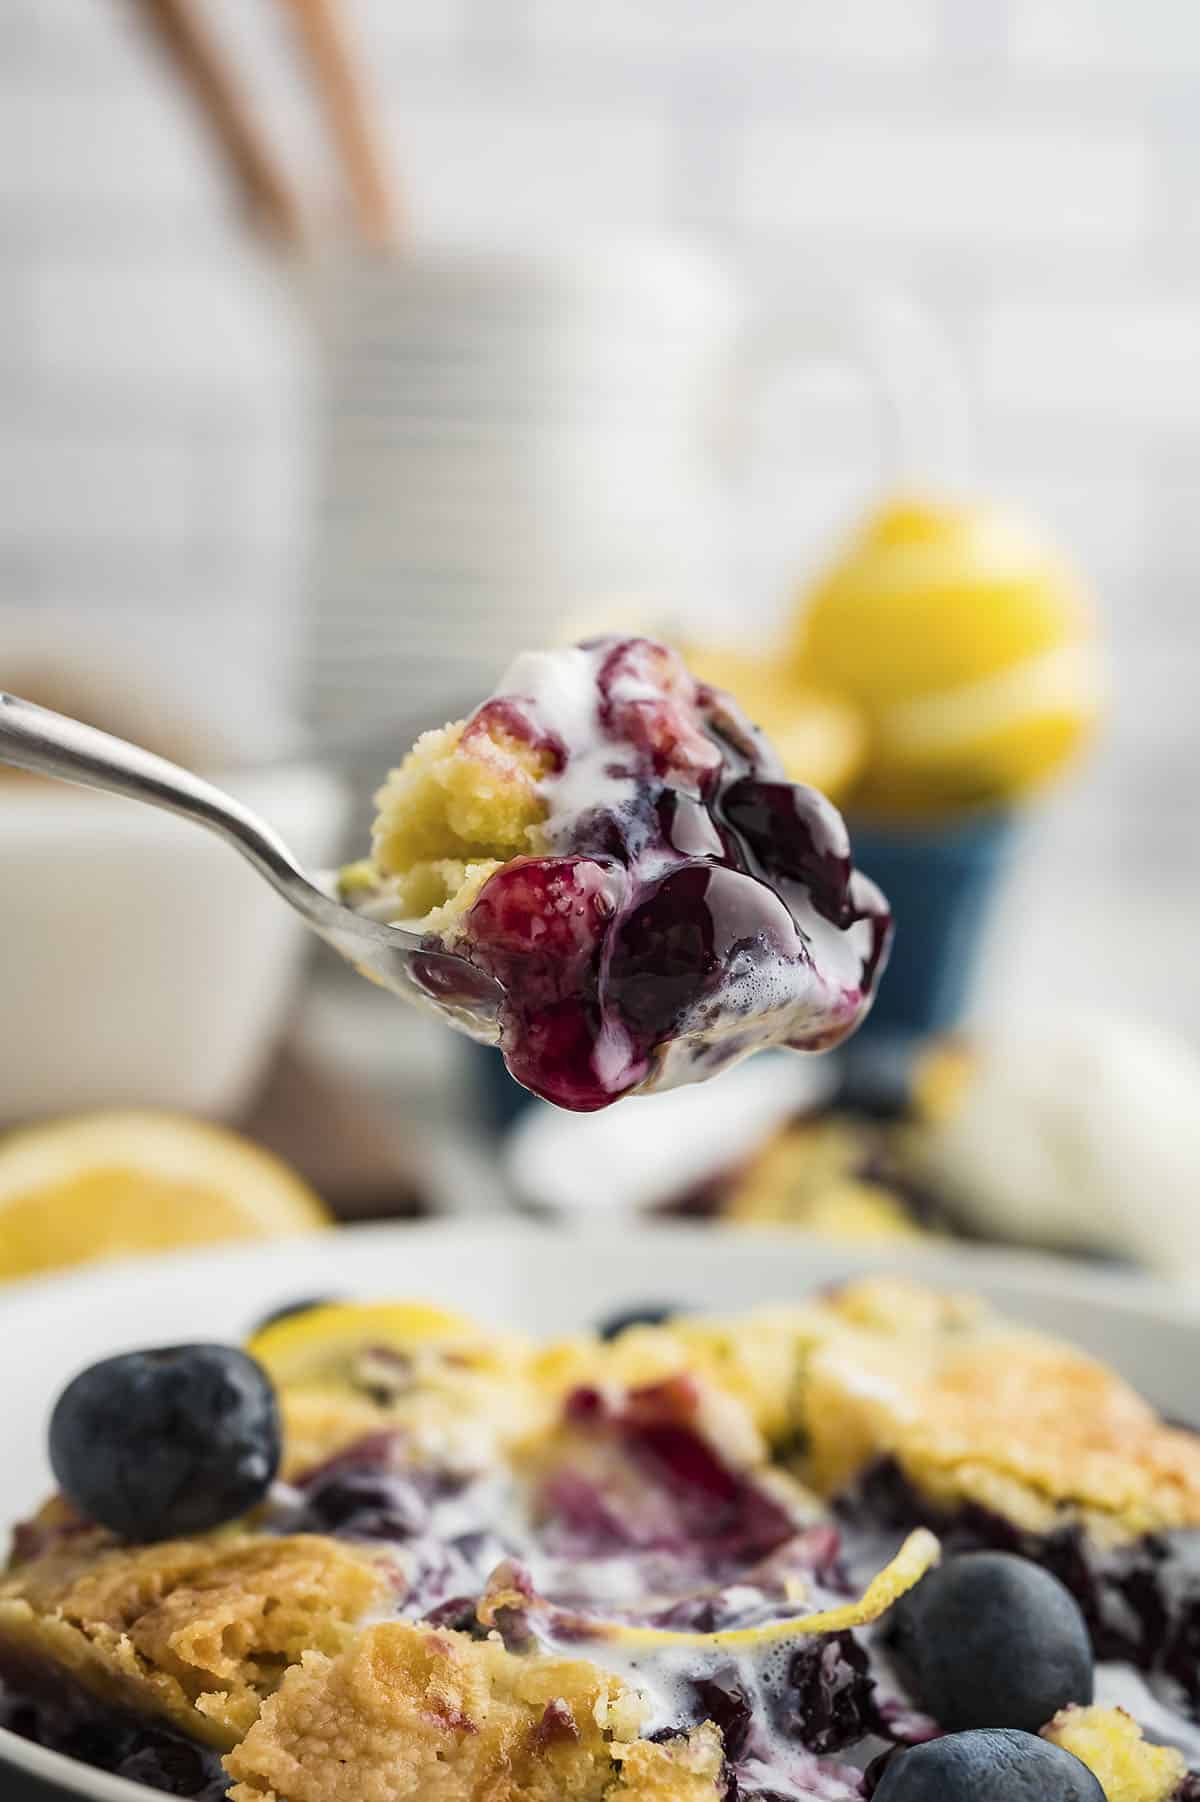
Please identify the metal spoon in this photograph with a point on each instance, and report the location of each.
(34, 738)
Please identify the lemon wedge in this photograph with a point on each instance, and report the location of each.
(459, 1391)
(324, 1347)
(111, 1183)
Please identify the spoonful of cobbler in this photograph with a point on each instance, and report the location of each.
(604, 870)
(618, 847)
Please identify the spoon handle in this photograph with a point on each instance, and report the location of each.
(35, 738)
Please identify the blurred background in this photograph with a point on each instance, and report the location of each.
(348, 347)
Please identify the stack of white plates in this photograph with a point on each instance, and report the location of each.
(515, 443)
(508, 443)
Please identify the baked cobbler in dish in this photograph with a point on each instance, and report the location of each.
(881, 1543)
(618, 847)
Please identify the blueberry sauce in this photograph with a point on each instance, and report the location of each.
(828, 1700)
(640, 1521)
(647, 1479)
(690, 906)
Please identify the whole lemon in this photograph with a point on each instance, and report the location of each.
(969, 644)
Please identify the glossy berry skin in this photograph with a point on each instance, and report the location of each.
(999, 1765)
(992, 1640)
(794, 831)
(156, 1444)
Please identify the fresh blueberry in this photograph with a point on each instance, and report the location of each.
(643, 1314)
(992, 1640)
(287, 1310)
(156, 1444)
(999, 1765)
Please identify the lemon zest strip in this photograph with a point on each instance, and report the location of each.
(917, 1556)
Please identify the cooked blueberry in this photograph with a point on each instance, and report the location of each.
(287, 1310)
(828, 1700)
(700, 925)
(156, 1444)
(997, 1765)
(177, 1769)
(797, 832)
(650, 1313)
(723, 1699)
(366, 1505)
(992, 1640)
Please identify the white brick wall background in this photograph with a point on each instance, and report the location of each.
(1028, 166)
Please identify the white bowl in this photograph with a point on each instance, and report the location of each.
(522, 1276)
(143, 962)
(146, 964)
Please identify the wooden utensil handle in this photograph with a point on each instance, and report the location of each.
(266, 191)
(336, 73)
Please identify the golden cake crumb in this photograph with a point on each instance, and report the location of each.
(754, 1359)
(465, 800)
(197, 1630)
(1109, 1741)
(682, 1770)
(320, 1423)
(408, 1712)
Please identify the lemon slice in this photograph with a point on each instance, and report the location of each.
(325, 1347)
(106, 1184)
(916, 1557)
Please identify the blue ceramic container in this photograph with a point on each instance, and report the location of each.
(942, 885)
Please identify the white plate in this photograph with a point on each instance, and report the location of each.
(540, 1281)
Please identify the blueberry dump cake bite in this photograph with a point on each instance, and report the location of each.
(618, 847)
(879, 1544)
